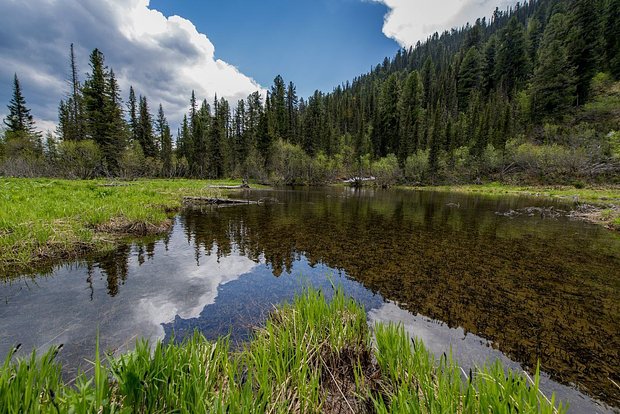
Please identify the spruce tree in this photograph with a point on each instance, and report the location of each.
(470, 76)
(612, 36)
(554, 82)
(19, 121)
(512, 66)
(132, 108)
(145, 129)
(583, 48)
(165, 138)
(410, 109)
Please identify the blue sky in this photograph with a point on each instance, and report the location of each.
(317, 44)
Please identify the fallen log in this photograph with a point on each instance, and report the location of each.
(230, 187)
(215, 200)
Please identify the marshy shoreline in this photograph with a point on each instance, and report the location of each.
(44, 221)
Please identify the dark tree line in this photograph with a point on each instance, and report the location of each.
(461, 93)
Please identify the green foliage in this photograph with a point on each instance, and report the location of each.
(416, 167)
(79, 159)
(386, 171)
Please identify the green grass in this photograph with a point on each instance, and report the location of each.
(602, 195)
(45, 219)
(312, 356)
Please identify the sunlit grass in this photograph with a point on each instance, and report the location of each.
(603, 195)
(312, 356)
(44, 219)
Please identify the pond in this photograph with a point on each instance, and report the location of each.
(453, 268)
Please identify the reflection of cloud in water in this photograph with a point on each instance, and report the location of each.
(76, 305)
(470, 351)
(161, 302)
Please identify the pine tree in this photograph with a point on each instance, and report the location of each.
(291, 113)
(612, 36)
(75, 130)
(470, 76)
(410, 111)
(132, 108)
(554, 82)
(165, 138)
(512, 65)
(488, 66)
(103, 113)
(583, 48)
(19, 121)
(145, 129)
(388, 117)
(114, 115)
(277, 113)
(435, 143)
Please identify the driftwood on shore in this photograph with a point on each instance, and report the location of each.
(231, 187)
(215, 201)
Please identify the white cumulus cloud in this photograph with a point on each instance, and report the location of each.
(164, 58)
(410, 21)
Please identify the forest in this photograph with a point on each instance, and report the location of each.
(530, 95)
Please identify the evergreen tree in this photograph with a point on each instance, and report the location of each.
(291, 112)
(19, 120)
(75, 127)
(114, 116)
(470, 76)
(488, 66)
(410, 111)
(278, 110)
(512, 65)
(554, 81)
(388, 140)
(583, 50)
(132, 108)
(612, 36)
(435, 143)
(145, 129)
(165, 138)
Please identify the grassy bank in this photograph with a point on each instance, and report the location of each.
(311, 356)
(43, 219)
(603, 203)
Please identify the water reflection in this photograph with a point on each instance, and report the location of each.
(534, 287)
(538, 288)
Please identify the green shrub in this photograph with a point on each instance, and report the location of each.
(386, 171)
(416, 167)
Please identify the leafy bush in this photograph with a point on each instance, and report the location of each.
(79, 159)
(386, 171)
(416, 167)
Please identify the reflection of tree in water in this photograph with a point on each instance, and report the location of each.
(534, 292)
(115, 266)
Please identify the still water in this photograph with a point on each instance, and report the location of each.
(447, 266)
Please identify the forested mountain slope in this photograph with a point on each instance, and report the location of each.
(531, 94)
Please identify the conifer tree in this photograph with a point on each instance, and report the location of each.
(132, 108)
(19, 120)
(165, 138)
(554, 82)
(277, 113)
(470, 76)
(612, 36)
(512, 66)
(583, 48)
(145, 129)
(410, 108)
